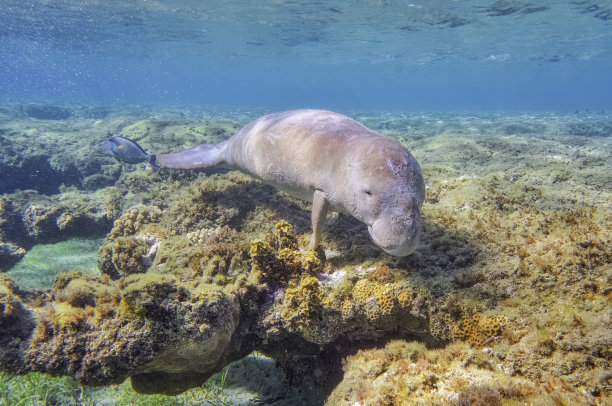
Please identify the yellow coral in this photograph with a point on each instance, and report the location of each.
(303, 310)
(378, 298)
(283, 233)
(294, 259)
(263, 256)
(311, 262)
(301, 301)
(282, 228)
(404, 298)
(289, 257)
(133, 219)
(259, 248)
(279, 258)
(362, 290)
(128, 310)
(477, 329)
(348, 310)
(385, 298)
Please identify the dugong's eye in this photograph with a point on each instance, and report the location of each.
(367, 192)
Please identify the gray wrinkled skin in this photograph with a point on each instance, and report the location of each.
(329, 160)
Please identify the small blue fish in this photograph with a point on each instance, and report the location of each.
(127, 151)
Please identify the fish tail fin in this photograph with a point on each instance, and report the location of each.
(153, 161)
(202, 156)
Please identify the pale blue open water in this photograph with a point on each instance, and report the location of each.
(336, 54)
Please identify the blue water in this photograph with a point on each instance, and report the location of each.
(364, 54)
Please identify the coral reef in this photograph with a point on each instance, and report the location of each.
(58, 182)
(123, 257)
(133, 219)
(506, 300)
(476, 329)
(44, 154)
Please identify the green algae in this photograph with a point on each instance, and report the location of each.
(39, 267)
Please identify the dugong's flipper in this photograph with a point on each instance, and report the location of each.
(202, 156)
(320, 207)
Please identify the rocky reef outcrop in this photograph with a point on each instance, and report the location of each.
(170, 310)
(186, 306)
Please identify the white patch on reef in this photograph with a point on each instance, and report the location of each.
(154, 242)
(330, 254)
(331, 279)
(361, 272)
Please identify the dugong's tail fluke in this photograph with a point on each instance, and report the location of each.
(202, 156)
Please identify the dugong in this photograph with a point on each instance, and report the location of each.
(329, 160)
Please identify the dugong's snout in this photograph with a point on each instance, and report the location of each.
(397, 235)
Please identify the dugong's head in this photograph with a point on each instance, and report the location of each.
(385, 190)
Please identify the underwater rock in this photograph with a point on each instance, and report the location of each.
(404, 372)
(16, 325)
(45, 220)
(125, 253)
(10, 254)
(91, 111)
(147, 328)
(12, 235)
(97, 181)
(41, 220)
(124, 256)
(35, 173)
(171, 323)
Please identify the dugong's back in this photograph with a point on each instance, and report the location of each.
(297, 151)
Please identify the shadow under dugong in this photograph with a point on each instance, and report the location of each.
(329, 160)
